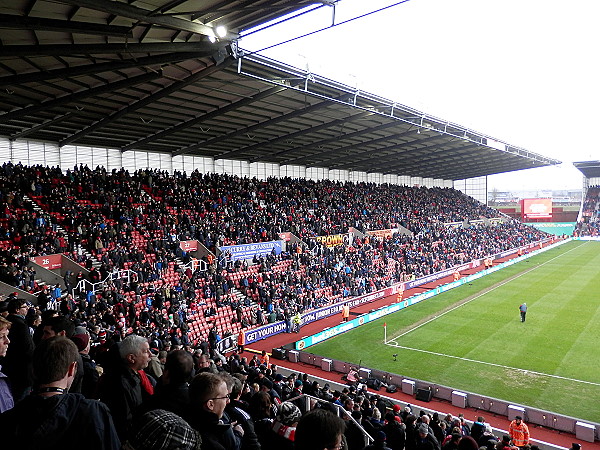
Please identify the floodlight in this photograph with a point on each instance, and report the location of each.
(221, 31)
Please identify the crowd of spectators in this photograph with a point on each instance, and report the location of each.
(182, 399)
(138, 346)
(589, 225)
(114, 220)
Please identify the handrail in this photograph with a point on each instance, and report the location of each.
(117, 274)
(341, 412)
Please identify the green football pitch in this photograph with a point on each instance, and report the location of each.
(471, 338)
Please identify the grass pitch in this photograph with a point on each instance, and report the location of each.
(471, 338)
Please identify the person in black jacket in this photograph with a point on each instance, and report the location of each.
(51, 417)
(172, 390)
(208, 398)
(17, 364)
(238, 412)
(124, 386)
(395, 431)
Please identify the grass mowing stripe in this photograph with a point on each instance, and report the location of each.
(444, 355)
(559, 338)
(478, 296)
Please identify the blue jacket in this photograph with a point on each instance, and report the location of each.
(6, 399)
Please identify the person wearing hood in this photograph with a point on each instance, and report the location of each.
(51, 417)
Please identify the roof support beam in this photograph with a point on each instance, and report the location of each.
(206, 48)
(11, 21)
(335, 151)
(69, 72)
(367, 154)
(143, 15)
(147, 100)
(251, 128)
(77, 96)
(41, 126)
(203, 118)
(314, 129)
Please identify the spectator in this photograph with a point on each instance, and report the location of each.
(319, 429)
(91, 376)
(209, 396)
(124, 387)
(19, 357)
(395, 431)
(238, 412)
(379, 442)
(53, 418)
(6, 399)
(162, 430)
(425, 439)
(172, 389)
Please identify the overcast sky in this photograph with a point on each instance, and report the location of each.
(523, 71)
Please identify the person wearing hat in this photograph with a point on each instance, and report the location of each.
(379, 442)
(425, 439)
(3, 308)
(266, 385)
(162, 430)
(284, 426)
(395, 431)
(91, 376)
(519, 432)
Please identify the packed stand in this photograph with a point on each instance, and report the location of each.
(590, 223)
(135, 221)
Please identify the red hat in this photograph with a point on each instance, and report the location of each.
(81, 341)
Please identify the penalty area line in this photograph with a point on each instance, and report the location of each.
(517, 369)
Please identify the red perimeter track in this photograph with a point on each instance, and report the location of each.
(279, 340)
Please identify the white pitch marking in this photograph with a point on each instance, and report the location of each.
(480, 295)
(492, 364)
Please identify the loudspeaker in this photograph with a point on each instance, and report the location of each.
(279, 353)
(424, 395)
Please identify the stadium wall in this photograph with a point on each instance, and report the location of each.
(32, 153)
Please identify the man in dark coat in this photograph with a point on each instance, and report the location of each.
(125, 386)
(208, 398)
(18, 362)
(51, 417)
(172, 391)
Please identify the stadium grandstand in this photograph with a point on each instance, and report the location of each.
(158, 182)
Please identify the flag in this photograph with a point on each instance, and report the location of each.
(384, 325)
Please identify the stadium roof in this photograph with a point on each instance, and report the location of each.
(145, 76)
(589, 169)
